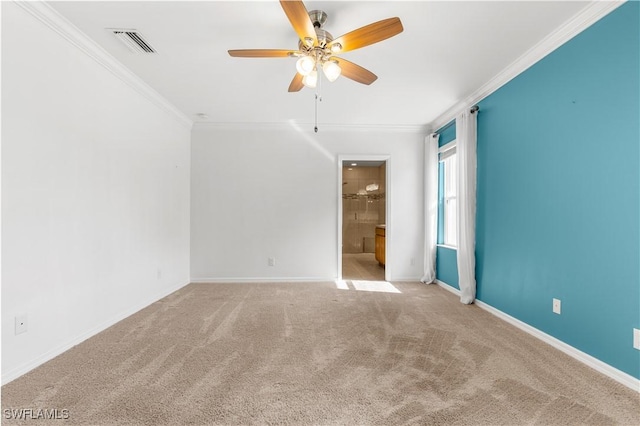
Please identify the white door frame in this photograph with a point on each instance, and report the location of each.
(389, 229)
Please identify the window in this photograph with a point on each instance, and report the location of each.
(449, 162)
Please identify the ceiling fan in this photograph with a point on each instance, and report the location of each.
(317, 48)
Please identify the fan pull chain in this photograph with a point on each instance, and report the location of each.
(318, 98)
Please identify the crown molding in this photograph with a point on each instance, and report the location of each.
(589, 15)
(63, 27)
(305, 127)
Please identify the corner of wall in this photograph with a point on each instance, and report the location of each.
(58, 23)
(593, 12)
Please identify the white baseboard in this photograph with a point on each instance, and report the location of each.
(401, 279)
(49, 355)
(284, 279)
(602, 367)
(448, 287)
(263, 280)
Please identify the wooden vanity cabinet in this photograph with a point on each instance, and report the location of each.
(380, 244)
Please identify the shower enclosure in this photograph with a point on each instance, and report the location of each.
(363, 205)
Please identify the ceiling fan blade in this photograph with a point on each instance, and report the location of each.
(296, 83)
(299, 18)
(261, 53)
(356, 72)
(369, 34)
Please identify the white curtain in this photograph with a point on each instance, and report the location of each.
(466, 151)
(430, 206)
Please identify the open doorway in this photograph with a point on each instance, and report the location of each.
(363, 213)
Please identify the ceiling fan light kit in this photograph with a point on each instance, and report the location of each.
(311, 80)
(305, 65)
(331, 70)
(316, 47)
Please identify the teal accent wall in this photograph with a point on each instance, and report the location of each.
(447, 133)
(559, 192)
(447, 266)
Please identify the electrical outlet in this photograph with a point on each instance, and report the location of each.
(412, 261)
(21, 324)
(272, 261)
(557, 306)
(159, 273)
(636, 339)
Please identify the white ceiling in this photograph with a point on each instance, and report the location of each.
(447, 51)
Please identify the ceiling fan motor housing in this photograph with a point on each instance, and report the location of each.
(318, 17)
(324, 38)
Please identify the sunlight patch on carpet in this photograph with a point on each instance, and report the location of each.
(367, 285)
(342, 285)
(380, 286)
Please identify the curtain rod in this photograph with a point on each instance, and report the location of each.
(473, 109)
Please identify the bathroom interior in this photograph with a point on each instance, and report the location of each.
(363, 220)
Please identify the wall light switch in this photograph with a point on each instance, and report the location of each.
(557, 306)
(636, 339)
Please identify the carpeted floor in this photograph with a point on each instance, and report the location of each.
(309, 353)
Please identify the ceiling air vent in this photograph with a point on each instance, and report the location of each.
(133, 40)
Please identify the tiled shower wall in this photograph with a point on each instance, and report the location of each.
(362, 210)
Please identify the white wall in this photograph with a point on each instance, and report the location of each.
(271, 191)
(95, 195)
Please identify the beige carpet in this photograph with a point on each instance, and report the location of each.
(303, 353)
